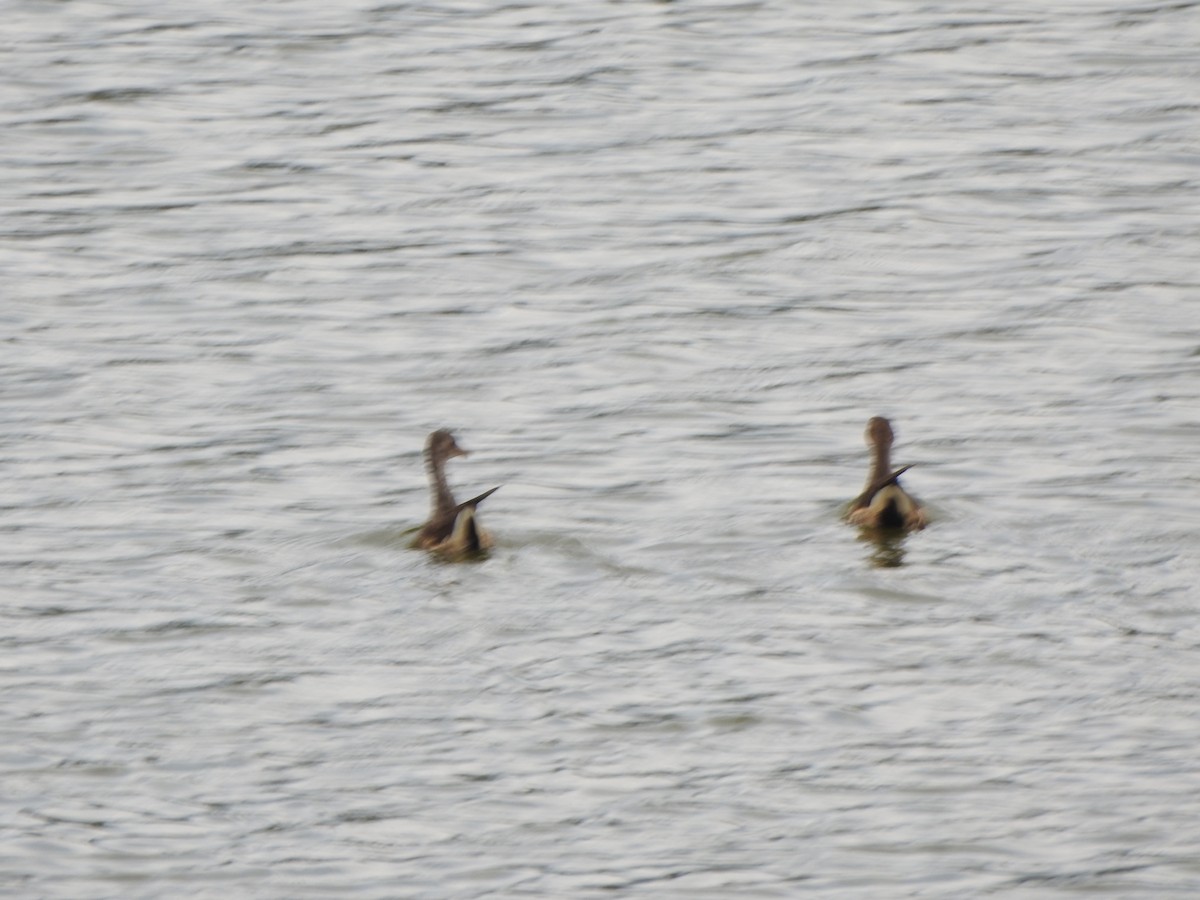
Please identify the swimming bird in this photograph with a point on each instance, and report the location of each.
(884, 503)
(453, 528)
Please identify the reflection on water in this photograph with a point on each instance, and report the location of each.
(657, 263)
(887, 546)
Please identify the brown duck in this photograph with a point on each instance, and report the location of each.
(884, 503)
(453, 528)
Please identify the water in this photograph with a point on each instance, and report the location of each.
(656, 264)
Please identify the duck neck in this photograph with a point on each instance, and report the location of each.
(881, 465)
(443, 500)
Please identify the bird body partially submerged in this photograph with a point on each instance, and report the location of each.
(453, 529)
(884, 503)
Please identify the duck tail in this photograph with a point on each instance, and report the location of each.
(465, 536)
(890, 479)
(475, 501)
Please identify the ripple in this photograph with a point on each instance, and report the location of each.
(656, 263)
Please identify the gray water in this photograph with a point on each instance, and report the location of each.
(656, 264)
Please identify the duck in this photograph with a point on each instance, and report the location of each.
(884, 503)
(453, 528)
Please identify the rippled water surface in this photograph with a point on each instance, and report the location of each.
(656, 263)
